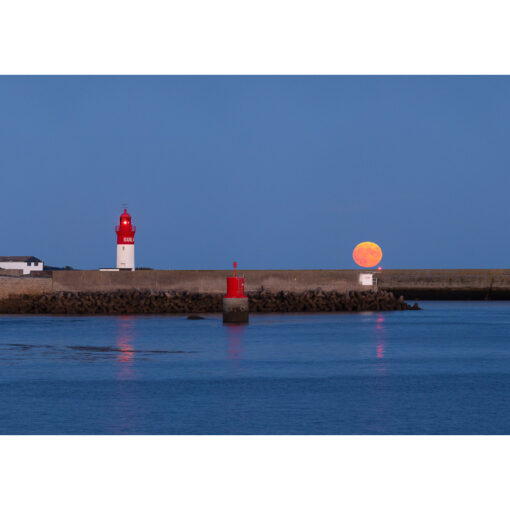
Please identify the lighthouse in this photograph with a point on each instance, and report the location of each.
(125, 242)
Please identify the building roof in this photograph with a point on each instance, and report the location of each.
(19, 258)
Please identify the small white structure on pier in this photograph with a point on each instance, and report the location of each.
(366, 279)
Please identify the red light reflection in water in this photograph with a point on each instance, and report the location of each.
(125, 345)
(379, 329)
(235, 335)
(124, 410)
(380, 337)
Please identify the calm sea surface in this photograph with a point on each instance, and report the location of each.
(443, 370)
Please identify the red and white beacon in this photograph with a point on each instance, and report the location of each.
(125, 242)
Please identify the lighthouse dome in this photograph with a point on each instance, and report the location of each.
(125, 216)
(125, 227)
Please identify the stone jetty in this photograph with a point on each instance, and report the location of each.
(183, 302)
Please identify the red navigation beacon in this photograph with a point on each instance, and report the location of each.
(125, 242)
(235, 303)
(235, 285)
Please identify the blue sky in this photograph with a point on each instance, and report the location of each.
(274, 172)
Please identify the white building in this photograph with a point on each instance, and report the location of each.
(366, 279)
(27, 264)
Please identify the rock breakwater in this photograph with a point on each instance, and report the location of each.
(151, 302)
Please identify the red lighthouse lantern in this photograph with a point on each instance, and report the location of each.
(235, 303)
(125, 242)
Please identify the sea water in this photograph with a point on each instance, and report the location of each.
(442, 370)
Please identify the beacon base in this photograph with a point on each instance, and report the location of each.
(235, 310)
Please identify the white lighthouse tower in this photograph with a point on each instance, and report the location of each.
(125, 242)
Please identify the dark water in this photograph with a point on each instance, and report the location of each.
(444, 370)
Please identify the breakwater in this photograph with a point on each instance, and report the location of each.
(164, 302)
(411, 283)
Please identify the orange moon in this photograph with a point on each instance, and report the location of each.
(367, 254)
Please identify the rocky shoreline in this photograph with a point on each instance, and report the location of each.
(151, 302)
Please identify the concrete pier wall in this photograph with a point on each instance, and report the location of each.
(205, 281)
(10, 285)
(447, 283)
(411, 283)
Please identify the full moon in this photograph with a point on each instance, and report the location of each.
(367, 254)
